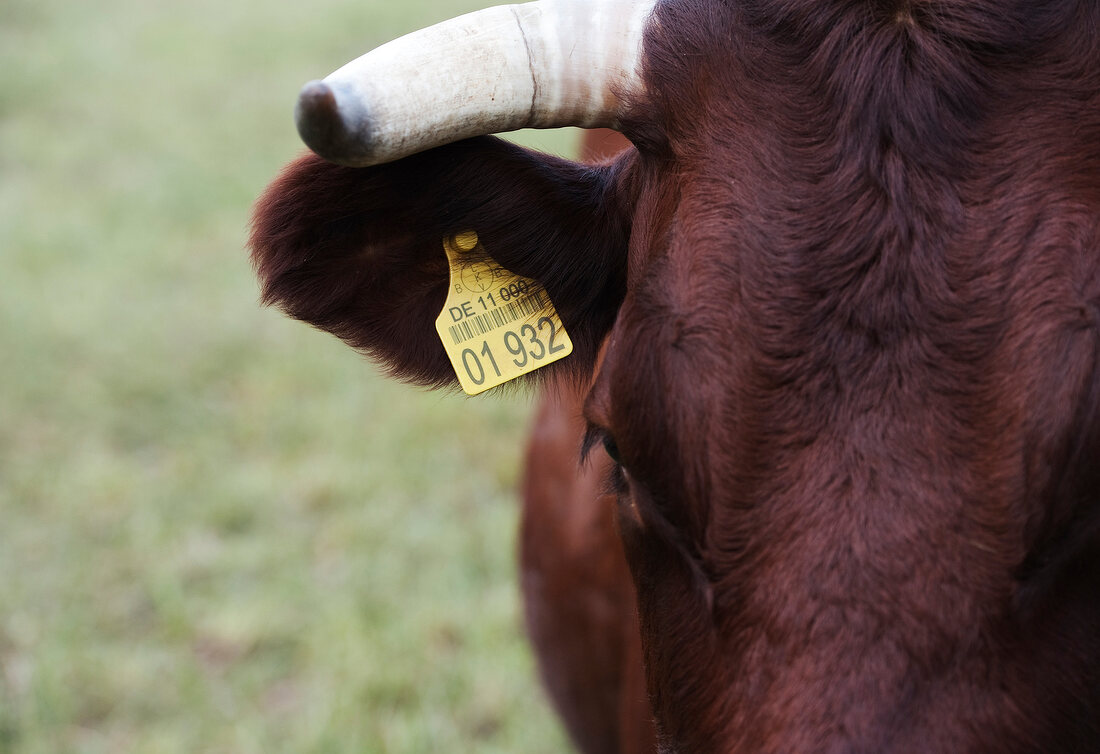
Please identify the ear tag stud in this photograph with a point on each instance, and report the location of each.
(495, 325)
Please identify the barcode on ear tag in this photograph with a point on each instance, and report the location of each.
(495, 325)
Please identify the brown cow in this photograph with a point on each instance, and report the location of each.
(848, 283)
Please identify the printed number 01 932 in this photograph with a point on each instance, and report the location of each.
(515, 344)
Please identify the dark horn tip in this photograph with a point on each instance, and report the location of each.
(318, 116)
(323, 126)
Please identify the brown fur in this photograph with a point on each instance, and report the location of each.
(580, 606)
(578, 596)
(850, 284)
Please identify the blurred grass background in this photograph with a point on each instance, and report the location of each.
(221, 531)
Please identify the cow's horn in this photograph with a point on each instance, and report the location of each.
(544, 64)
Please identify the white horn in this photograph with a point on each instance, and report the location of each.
(544, 64)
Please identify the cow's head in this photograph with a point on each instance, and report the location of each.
(848, 285)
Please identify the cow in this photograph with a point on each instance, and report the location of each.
(835, 326)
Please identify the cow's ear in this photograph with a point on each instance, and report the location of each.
(359, 251)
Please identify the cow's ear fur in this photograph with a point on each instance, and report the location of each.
(359, 251)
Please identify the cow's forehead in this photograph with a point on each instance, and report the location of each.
(837, 252)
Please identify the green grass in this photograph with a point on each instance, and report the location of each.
(221, 531)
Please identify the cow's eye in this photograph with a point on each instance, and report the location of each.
(612, 449)
(596, 434)
(616, 482)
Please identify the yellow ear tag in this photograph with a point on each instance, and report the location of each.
(495, 325)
